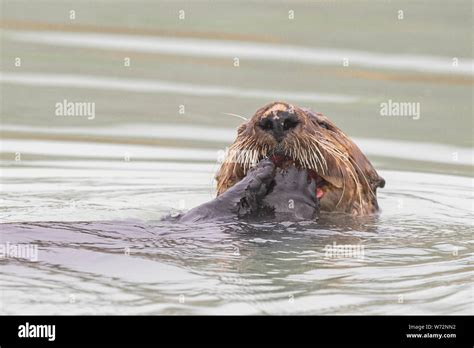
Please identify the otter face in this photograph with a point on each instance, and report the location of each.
(346, 180)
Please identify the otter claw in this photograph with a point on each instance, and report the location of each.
(259, 181)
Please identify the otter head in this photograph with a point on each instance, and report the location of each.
(346, 180)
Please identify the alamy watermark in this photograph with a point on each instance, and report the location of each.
(403, 109)
(238, 156)
(28, 330)
(68, 108)
(335, 251)
(19, 251)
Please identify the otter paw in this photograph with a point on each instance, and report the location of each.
(258, 182)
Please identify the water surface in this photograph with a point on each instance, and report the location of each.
(89, 193)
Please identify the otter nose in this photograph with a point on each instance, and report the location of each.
(279, 125)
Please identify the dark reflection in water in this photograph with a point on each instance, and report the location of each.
(336, 265)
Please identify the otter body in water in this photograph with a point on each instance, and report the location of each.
(347, 182)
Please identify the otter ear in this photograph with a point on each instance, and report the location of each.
(381, 182)
(376, 182)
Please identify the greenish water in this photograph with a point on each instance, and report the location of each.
(88, 192)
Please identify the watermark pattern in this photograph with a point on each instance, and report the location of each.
(68, 108)
(404, 109)
(238, 156)
(19, 251)
(334, 251)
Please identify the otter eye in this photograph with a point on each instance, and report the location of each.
(289, 124)
(266, 124)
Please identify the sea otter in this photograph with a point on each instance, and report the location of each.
(346, 181)
(290, 162)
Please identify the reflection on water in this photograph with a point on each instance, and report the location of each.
(136, 267)
(156, 86)
(246, 50)
(88, 194)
